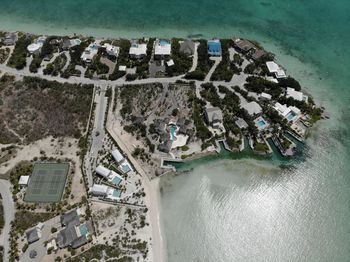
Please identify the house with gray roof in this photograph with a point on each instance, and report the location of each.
(71, 217)
(241, 123)
(214, 116)
(33, 235)
(75, 235)
(253, 108)
(10, 39)
(187, 47)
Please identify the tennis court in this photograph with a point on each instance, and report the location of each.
(47, 182)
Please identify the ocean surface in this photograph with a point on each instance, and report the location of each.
(229, 208)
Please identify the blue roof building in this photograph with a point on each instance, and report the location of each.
(214, 47)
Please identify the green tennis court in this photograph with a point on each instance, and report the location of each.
(47, 182)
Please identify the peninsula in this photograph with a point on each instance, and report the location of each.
(89, 125)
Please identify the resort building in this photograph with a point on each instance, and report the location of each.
(74, 233)
(241, 123)
(137, 51)
(253, 108)
(66, 44)
(10, 39)
(214, 116)
(188, 47)
(89, 53)
(243, 46)
(290, 113)
(275, 70)
(103, 171)
(162, 49)
(258, 54)
(35, 48)
(23, 181)
(99, 190)
(265, 96)
(118, 157)
(111, 50)
(296, 95)
(214, 47)
(34, 234)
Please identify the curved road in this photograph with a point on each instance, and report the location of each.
(9, 213)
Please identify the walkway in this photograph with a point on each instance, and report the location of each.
(212, 69)
(9, 214)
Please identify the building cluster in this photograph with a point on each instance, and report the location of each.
(113, 186)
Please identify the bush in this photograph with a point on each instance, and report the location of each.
(131, 77)
(195, 75)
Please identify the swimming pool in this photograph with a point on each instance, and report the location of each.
(83, 230)
(116, 180)
(125, 168)
(261, 123)
(173, 132)
(117, 193)
(163, 42)
(291, 115)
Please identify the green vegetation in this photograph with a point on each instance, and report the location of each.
(204, 63)
(26, 219)
(202, 131)
(223, 71)
(123, 59)
(182, 62)
(261, 147)
(2, 220)
(16, 173)
(46, 50)
(19, 55)
(4, 54)
(96, 67)
(55, 68)
(32, 103)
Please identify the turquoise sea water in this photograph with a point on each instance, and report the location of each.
(242, 209)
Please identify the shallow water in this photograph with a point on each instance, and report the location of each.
(242, 209)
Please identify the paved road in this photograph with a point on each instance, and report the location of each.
(97, 134)
(9, 213)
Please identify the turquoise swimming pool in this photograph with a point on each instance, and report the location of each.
(291, 115)
(125, 168)
(163, 42)
(117, 193)
(116, 180)
(261, 123)
(83, 230)
(173, 132)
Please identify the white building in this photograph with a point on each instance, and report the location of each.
(276, 70)
(265, 96)
(291, 113)
(23, 181)
(103, 171)
(111, 49)
(122, 68)
(89, 53)
(137, 50)
(253, 108)
(118, 157)
(162, 48)
(99, 190)
(170, 62)
(296, 95)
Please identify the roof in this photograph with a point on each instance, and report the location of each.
(117, 155)
(265, 96)
(275, 69)
(122, 68)
(258, 53)
(33, 235)
(10, 39)
(111, 49)
(71, 217)
(170, 62)
(214, 47)
(80, 241)
(162, 47)
(253, 108)
(188, 47)
(291, 92)
(89, 52)
(166, 146)
(253, 94)
(66, 236)
(99, 189)
(102, 171)
(23, 180)
(244, 45)
(241, 123)
(34, 47)
(137, 49)
(213, 114)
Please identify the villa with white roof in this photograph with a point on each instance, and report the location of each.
(291, 113)
(162, 49)
(296, 95)
(89, 53)
(253, 108)
(109, 175)
(137, 51)
(111, 49)
(275, 70)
